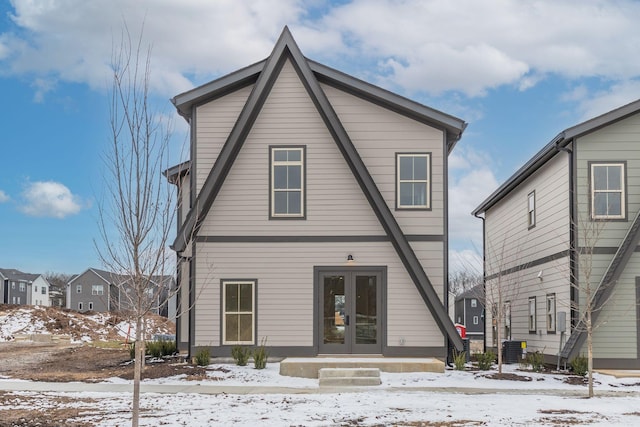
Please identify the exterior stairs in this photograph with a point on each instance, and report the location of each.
(348, 377)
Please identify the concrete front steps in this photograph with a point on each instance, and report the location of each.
(309, 367)
(332, 377)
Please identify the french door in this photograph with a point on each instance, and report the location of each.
(349, 311)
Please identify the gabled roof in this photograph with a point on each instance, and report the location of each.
(476, 292)
(265, 74)
(176, 172)
(563, 139)
(13, 274)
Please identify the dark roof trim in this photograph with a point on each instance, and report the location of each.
(286, 48)
(605, 288)
(563, 139)
(217, 88)
(177, 171)
(389, 100)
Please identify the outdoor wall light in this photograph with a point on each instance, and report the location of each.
(350, 258)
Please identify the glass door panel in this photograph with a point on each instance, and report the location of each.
(334, 310)
(366, 310)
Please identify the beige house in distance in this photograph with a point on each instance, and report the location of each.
(313, 216)
(572, 212)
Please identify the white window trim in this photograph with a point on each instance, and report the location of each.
(622, 191)
(551, 314)
(253, 313)
(90, 306)
(80, 306)
(95, 291)
(532, 318)
(78, 289)
(474, 302)
(475, 320)
(427, 181)
(531, 209)
(272, 189)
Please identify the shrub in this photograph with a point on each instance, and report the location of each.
(240, 355)
(459, 360)
(169, 348)
(536, 360)
(260, 355)
(203, 357)
(579, 365)
(485, 360)
(154, 348)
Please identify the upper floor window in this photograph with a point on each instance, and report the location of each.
(78, 289)
(97, 289)
(413, 181)
(531, 209)
(608, 191)
(23, 287)
(474, 302)
(13, 285)
(287, 182)
(44, 290)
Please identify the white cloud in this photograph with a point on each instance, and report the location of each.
(469, 184)
(49, 199)
(3, 197)
(469, 260)
(429, 46)
(617, 95)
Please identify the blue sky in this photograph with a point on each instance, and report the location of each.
(517, 72)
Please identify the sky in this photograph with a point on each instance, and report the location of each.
(517, 72)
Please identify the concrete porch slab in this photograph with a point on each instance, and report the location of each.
(308, 367)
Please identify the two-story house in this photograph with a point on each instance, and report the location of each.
(564, 226)
(314, 214)
(469, 312)
(104, 291)
(23, 288)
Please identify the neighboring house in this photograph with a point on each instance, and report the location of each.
(103, 291)
(313, 214)
(536, 237)
(469, 311)
(24, 288)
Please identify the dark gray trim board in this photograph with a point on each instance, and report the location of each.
(534, 263)
(302, 351)
(274, 351)
(313, 239)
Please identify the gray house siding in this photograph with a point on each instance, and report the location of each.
(81, 296)
(531, 262)
(336, 208)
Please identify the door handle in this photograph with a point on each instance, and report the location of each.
(346, 320)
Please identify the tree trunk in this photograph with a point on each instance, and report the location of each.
(590, 352)
(137, 373)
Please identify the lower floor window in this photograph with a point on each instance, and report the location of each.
(238, 320)
(551, 313)
(90, 306)
(80, 306)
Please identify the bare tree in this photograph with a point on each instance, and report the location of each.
(58, 285)
(501, 290)
(136, 219)
(582, 281)
(464, 280)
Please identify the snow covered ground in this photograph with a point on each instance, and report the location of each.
(409, 399)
